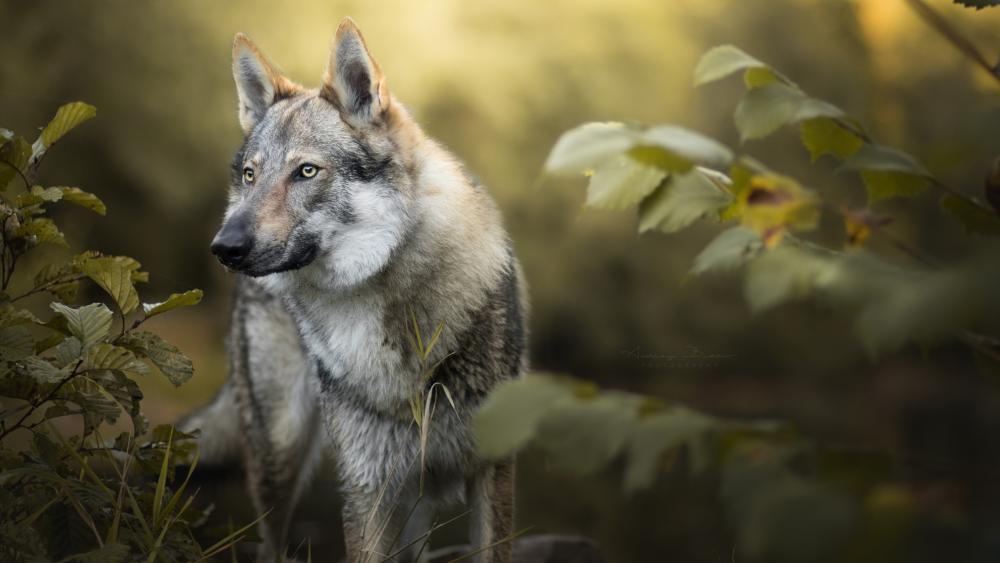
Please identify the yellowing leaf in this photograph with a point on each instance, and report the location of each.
(44, 230)
(67, 117)
(774, 204)
(14, 156)
(823, 135)
(176, 300)
(114, 275)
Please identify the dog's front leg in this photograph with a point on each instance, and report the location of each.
(491, 500)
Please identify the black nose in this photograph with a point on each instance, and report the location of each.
(233, 242)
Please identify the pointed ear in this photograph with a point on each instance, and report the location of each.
(258, 83)
(353, 80)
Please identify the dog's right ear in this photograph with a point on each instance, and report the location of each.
(258, 82)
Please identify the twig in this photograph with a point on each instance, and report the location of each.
(960, 42)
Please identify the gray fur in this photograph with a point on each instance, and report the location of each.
(388, 233)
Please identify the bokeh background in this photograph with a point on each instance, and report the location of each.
(497, 82)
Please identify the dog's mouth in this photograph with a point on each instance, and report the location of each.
(305, 254)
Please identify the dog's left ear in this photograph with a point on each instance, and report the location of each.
(353, 80)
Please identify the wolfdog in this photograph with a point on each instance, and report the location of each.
(377, 286)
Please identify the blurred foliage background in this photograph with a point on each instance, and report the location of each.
(497, 82)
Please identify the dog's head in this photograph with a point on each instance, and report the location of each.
(322, 177)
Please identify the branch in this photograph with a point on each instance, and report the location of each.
(942, 26)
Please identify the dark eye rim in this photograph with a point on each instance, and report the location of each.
(300, 171)
(247, 171)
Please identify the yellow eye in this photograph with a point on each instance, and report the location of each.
(308, 170)
(248, 175)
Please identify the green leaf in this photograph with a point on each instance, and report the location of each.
(109, 356)
(884, 159)
(510, 415)
(114, 275)
(165, 356)
(77, 196)
(89, 323)
(43, 371)
(16, 343)
(67, 118)
(14, 156)
(785, 274)
(730, 250)
(682, 200)
(621, 183)
(44, 230)
(766, 109)
(689, 146)
(674, 149)
(976, 220)
(656, 434)
(584, 435)
(68, 351)
(887, 184)
(823, 135)
(722, 61)
(176, 300)
(588, 146)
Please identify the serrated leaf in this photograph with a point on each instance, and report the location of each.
(14, 156)
(89, 323)
(887, 184)
(114, 275)
(588, 146)
(16, 342)
(165, 356)
(682, 200)
(823, 135)
(730, 250)
(44, 230)
(766, 109)
(42, 371)
(69, 351)
(111, 357)
(67, 118)
(65, 193)
(621, 183)
(176, 300)
(976, 220)
(510, 415)
(722, 61)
